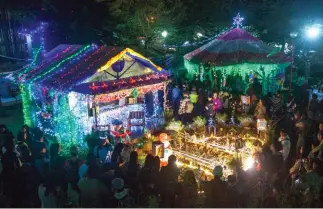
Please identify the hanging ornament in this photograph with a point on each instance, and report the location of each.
(118, 66)
(135, 93)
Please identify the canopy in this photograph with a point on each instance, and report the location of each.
(236, 47)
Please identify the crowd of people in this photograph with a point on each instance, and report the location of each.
(34, 172)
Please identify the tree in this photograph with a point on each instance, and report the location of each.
(143, 21)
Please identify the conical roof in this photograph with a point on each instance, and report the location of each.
(237, 46)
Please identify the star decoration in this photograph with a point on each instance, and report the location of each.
(237, 21)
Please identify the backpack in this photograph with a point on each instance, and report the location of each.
(127, 202)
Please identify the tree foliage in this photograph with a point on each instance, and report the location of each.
(142, 21)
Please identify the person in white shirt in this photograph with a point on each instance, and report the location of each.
(285, 141)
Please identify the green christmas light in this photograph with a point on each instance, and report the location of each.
(26, 104)
(65, 124)
(265, 72)
(73, 56)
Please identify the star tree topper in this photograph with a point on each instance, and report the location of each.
(237, 21)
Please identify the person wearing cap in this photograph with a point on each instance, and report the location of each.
(103, 152)
(121, 197)
(216, 190)
(285, 142)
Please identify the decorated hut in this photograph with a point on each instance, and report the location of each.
(77, 89)
(236, 57)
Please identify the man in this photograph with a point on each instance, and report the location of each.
(176, 98)
(319, 149)
(216, 191)
(103, 152)
(301, 125)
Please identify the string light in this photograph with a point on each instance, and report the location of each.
(105, 98)
(70, 58)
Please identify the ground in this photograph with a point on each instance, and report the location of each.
(12, 117)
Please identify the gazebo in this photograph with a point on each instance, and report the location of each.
(236, 56)
(80, 88)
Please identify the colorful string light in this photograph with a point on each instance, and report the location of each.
(70, 58)
(106, 98)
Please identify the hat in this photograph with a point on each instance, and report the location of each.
(218, 171)
(117, 183)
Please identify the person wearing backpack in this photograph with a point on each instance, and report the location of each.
(122, 197)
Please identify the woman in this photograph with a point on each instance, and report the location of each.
(146, 179)
(218, 105)
(130, 172)
(260, 111)
(188, 191)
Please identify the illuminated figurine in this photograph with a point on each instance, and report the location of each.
(119, 132)
(210, 112)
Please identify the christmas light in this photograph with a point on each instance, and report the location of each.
(105, 98)
(237, 21)
(121, 54)
(71, 58)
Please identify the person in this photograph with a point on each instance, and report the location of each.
(48, 192)
(116, 153)
(285, 142)
(210, 113)
(313, 107)
(92, 191)
(25, 135)
(301, 125)
(300, 165)
(233, 191)
(276, 105)
(290, 106)
(103, 152)
(260, 111)
(319, 149)
(125, 154)
(38, 148)
(90, 161)
(122, 197)
(216, 190)
(217, 103)
(186, 108)
(194, 96)
(147, 179)
(130, 171)
(10, 165)
(313, 179)
(169, 182)
(72, 166)
(56, 165)
(176, 98)
(41, 161)
(187, 194)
